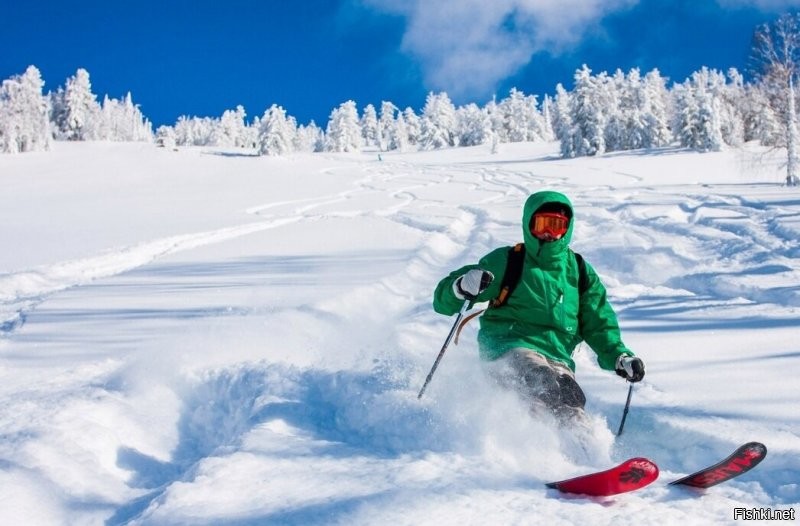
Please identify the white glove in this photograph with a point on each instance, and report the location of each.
(472, 283)
(630, 367)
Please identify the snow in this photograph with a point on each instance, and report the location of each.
(206, 336)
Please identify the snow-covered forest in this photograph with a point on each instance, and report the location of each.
(604, 112)
(29, 119)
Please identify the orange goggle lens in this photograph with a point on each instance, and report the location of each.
(549, 223)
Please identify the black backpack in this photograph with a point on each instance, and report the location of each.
(513, 273)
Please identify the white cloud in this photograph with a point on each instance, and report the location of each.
(467, 47)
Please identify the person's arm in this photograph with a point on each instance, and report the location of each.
(446, 297)
(599, 325)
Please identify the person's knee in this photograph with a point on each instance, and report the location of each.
(571, 393)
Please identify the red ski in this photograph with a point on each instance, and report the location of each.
(633, 474)
(745, 458)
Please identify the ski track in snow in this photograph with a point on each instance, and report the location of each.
(355, 415)
(20, 292)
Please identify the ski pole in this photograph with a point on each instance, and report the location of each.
(625, 411)
(464, 309)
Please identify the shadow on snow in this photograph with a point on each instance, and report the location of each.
(369, 412)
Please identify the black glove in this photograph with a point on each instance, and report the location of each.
(472, 283)
(630, 367)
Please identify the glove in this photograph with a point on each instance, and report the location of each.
(630, 367)
(472, 283)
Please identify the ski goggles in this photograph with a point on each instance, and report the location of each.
(551, 223)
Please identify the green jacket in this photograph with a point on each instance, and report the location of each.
(545, 313)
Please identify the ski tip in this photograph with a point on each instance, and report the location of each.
(644, 462)
(746, 457)
(632, 474)
(756, 447)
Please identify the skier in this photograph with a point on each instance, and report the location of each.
(528, 337)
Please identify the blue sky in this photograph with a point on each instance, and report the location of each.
(200, 57)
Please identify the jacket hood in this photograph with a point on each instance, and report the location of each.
(551, 249)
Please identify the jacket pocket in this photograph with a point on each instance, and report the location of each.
(567, 310)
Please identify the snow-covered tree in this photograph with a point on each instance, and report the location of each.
(184, 131)
(79, 117)
(588, 112)
(249, 137)
(309, 138)
(400, 140)
(776, 54)
(438, 122)
(495, 119)
(24, 124)
(609, 113)
(230, 130)
(638, 116)
(698, 106)
(276, 134)
(194, 131)
(386, 125)
(413, 126)
(123, 121)
(343, 133)
(548, 119)
(620, 114)
(165, 137)
(57, 105)
(685, 125)
(760, 121)
(369, 126)
(519, 118)
(474, 125)
(562, 122)
(654, 100)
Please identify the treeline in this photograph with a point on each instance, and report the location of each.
(602, 113)
(29, 120)
(439, 125)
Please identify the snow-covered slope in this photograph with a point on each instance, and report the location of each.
(210, 337)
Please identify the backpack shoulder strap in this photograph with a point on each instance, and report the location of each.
(512, 274)
(583, 276)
